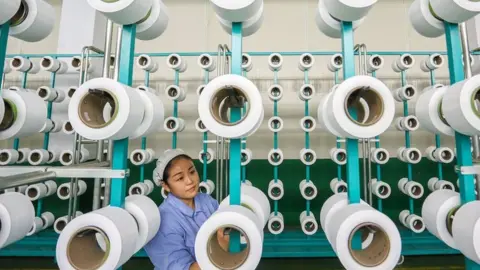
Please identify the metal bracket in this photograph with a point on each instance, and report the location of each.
(61, 172)
(468, 170)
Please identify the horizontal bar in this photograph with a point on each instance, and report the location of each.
(61, 55)
(25, 179)
(67, 172)
(469, 170)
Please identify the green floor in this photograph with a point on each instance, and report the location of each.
(414, 262)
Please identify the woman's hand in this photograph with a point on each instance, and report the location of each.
(223, 237)
(194, 266)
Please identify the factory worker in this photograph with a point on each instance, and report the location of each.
(182, 213)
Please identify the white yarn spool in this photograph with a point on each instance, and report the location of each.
(209, 155)
(429, 113)
(210, 255)
(38, 157)
(61, 222)
(443, 155)
(308, 223)
(207, 187)
(275, 92)
(411, 188)
(6, 67)
(432, 62)
(409, 155)
(214, 114)
(379, 155)
(236, 12)
(308, 190)
(86, 110)
(375, 62)
(338, 186)
(413, 222)
(306, 62)
(36, 226)
(174, 124)
(322, 115)
(33, 22)
(329, 25)
(335, 63)
(16, 215)
(200, 89)
(53, 156)
(247, 63)
(275, 61)
(338, 155)
(47, 127)
(141, 156)
(407, 123)
(53, 65)
(23, 154)
(117, 228)
(308, 124)
(51, 94)
(146, 63)
(139, 189)
(459, 106)
(379, 102)
(249, 27)
(308, 156)
(255, 200)
(349, 10)
(20, 64)
(176, 62)
(435, 184)
(123, 12)
(380, 189)
(275, 189)
(9, 156)
(404, 62)
(36, 191)
(429, 153)
(206, 62)
(77, 62)
(275, 124)
(423, 21)
(275, 157)
(456, 11)
(464, 230)
(405, 93)
(51, 187)
(385, 248)
(246, 156)
(200, 126)
(436, 213)
(9, 10)
(25, 113)
(276, 223)
(155, 23)
(154, 114)
(175, 93)
(67, 158)
(306, 92)
(64, 192)
(47, 219)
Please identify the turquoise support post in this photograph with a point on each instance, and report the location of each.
(339, 145)
(235, 144)
(275, 141)
(379, 170)
(4, 29)
(437, 136)
(462, 142)
(120, 147)
(175, 110)
(205, 135)
(307, 142)
(244, 140)
(144, 139)
(353, 169)
(407, 144)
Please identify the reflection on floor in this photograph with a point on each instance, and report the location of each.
(414, 262)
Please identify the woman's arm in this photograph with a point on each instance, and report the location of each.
(194, 266)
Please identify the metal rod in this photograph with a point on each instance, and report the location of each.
(218, 181)
(100, 145)
(25, 179)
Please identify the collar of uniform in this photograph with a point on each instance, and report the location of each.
(183, 207)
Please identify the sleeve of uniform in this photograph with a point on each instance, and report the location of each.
(167, 250)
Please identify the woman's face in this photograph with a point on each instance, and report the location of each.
(183, 179)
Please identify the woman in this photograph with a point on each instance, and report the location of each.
(183, 212)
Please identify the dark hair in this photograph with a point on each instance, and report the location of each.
(166, 175)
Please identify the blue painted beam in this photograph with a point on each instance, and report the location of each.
(120, 147)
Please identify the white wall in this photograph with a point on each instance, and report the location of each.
(289, 26)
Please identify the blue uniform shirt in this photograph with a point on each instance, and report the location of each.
(173, 248)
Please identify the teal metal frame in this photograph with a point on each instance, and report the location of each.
(462, 142)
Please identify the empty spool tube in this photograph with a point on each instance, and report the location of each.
(306, 62)
(308, 156)
(275, 189)
(209, 155)
(275, 157)
(174, 124)
(308, 190)
(275, 61)
(275, 92)
(275, 124)
(405, 93)
(276, 223)
(338, 155)
(379, 155)
(308, 223)
(337, 186)
(380, 189)
(306, 92)
(246, 156)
